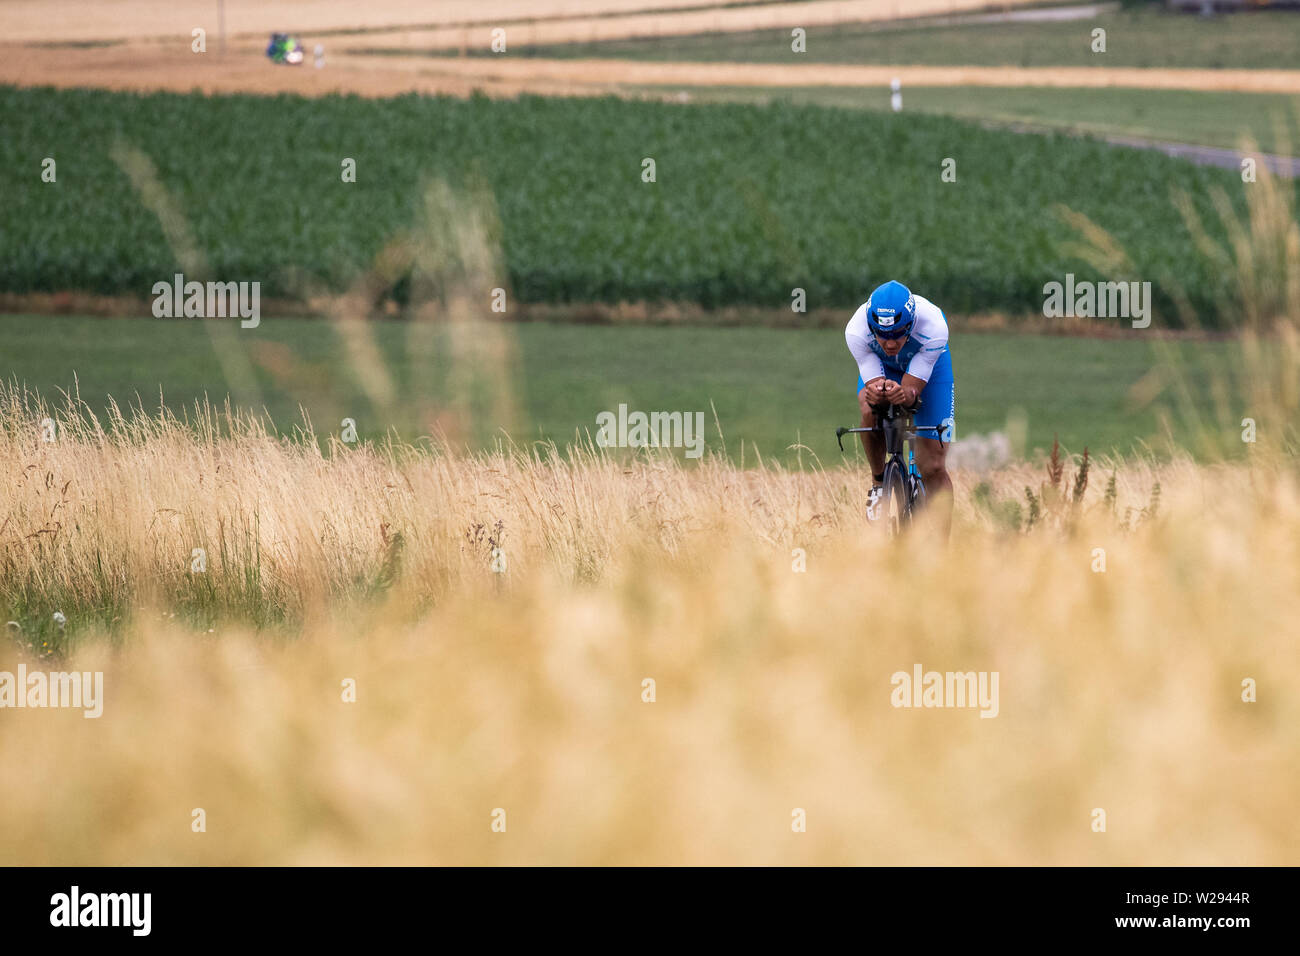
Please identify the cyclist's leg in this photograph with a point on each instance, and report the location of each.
(938, 410)
(873, 443)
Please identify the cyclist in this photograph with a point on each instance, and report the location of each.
(900, 342)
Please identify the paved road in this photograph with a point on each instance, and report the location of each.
(1203, 155)
(1045, 14)
(1211, 155)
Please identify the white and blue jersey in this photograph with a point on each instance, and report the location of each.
(925, 355)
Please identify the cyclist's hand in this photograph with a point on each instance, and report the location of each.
(872, 394)
(897, 394)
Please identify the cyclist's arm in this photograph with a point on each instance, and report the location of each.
(923, 362)
(870, 368)
(919, 370)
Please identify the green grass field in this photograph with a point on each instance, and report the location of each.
(1141, 38)
(1180, 116)
(771, 387)
(1135, 38)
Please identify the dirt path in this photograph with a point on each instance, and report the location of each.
(141, 67)
(823, 74)
(158, 66)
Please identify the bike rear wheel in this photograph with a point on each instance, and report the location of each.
(918, 493)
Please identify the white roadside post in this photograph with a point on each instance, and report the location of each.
(896, 96)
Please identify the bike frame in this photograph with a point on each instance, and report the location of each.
(896, 423)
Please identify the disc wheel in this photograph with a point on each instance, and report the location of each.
(918, 493)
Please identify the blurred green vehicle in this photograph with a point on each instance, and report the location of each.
(284, 48)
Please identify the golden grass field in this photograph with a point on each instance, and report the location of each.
(523, 690)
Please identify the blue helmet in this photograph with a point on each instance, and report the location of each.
(891, 310)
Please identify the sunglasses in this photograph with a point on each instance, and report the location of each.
(893, 334)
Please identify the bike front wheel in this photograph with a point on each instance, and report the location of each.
(897, 510)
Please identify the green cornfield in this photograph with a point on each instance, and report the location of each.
(748, 202)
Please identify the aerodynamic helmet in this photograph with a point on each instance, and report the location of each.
(891, 310)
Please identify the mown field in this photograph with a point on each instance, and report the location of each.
(771, 388)
(1225, 119)
(1149, 38)
(750, 202)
